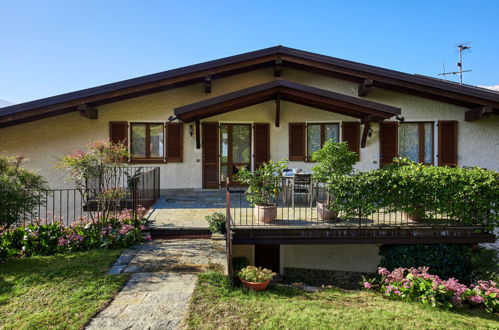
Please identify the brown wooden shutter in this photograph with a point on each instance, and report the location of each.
(447, 143)
(261, 143)
(118, 132)
(351, 133)
(210, 155)
(297, 133)
(174, 142)
(388, 135)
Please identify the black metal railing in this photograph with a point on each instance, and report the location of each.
(69, 205)
(301, 205)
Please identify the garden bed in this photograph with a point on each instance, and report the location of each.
(57, 292)
(215, 305)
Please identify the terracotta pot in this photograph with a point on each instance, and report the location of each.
(324, 213)
(255, 286)
(265, 213)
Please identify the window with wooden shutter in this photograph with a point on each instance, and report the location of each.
(297, 141)
(388, 135)
(318, 134)
(174, 142)
(350, 133)
(447, 143)
(118, 132)
(261, 143)
(147, 142)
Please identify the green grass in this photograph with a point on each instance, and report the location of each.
(215, 305)
(56, 292)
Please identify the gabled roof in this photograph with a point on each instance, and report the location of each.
(464, 95)
(288, 91)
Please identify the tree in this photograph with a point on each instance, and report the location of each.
(21, 191)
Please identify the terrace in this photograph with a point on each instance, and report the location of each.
(183, 212)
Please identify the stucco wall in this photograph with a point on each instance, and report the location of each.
(341, 257)
(46, 140)
(351, 257)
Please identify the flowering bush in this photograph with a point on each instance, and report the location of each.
(256, 274)
(416, 284)
(45, 239)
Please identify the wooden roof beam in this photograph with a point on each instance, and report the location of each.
(278, 110)
(88, 111)
(478, 113)
(207, 84)
(365, 87)
(278, 68)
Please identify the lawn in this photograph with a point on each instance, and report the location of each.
(214, 305)
(56, 292)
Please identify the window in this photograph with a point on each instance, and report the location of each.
(318, 134)
(416, 142)
(147, 141)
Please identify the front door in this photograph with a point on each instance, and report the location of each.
(235, 150)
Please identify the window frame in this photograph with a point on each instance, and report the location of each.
(421, 139)
(322, 135)
(147, 158)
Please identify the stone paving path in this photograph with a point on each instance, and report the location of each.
(163, 276)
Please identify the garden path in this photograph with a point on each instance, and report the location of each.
(163, 276)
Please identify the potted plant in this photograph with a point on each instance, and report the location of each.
(264, 184)
(334, 160)
(255, 278)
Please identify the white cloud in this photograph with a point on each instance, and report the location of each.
(494, 88)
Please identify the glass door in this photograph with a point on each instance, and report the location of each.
(235, 150)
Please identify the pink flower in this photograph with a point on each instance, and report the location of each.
(383, 271)
(148, 238)
(62, 242)
(367, 285)
(477, 299)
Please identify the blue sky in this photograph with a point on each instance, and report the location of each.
(52, 47)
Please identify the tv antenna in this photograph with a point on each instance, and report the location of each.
(460, 48)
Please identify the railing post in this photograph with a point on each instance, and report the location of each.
(228, 234)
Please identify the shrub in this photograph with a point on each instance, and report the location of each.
(416, 284)
(467, 196)
(20, 191)
(256, 274)
(39, 239)
(485, 264)
(444, 260)
(264, 183)
(216, 223)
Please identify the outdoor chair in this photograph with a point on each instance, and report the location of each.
(302, 186)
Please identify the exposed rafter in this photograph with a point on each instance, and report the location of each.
(207, 84)
(88, 111)
(478, 113)
(278, 68)
(365, 87)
